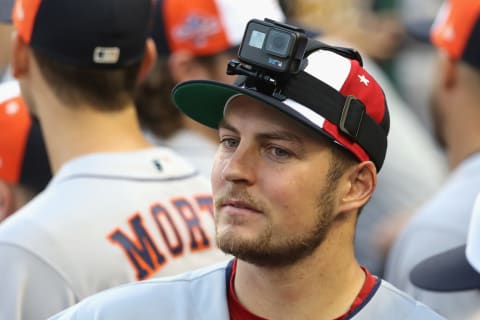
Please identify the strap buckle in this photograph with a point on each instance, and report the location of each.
(351, 117)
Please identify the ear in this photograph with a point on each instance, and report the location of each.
(184, 66)
(6, 200)
(361, 182)
(20, 57)
(148, 59)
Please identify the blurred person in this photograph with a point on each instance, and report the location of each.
(24, 167)
(6, 30)
(117, 209)
(416, 54)
(414, 165)
(442, 222)
(289, 179)
(456, 272)
(195, 40)
(378, 35)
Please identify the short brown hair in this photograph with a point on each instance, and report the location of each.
(155, 107)
(106, 90)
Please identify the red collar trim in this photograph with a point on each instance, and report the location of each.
(239, 312)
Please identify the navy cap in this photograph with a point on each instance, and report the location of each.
(105, 34)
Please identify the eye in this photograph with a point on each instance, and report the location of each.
(229, 143)
(279, 153)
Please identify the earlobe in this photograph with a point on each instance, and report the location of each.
(20, 56)
(362, 181)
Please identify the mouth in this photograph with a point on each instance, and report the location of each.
(239, 205)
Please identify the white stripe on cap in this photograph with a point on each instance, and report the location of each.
(473, 240)
(308, 113)
(235, 14)
(329, 67)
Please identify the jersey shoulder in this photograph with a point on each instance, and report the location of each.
(181, 297)
(390, 303)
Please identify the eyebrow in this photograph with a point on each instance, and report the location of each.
(274, 135)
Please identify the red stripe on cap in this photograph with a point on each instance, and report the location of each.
(15, 122)
(355, 148)
(23, 16)
(195, 26)
(360, 84)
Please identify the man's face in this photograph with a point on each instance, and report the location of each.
(274, 202)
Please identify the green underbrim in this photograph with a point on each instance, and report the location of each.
(203, 101)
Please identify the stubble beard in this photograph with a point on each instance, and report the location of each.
(267, 251)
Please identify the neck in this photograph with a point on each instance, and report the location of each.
(463, 135)
(462, 143)
(321, 286)
(460, 112)
(71, 132)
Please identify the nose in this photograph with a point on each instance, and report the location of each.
(240, 166)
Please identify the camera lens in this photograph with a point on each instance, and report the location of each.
(278, 43)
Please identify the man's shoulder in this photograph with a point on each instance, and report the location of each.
(148, 166)
(390, 303)
(184, 296)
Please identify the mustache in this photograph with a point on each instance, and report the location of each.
(237, 195)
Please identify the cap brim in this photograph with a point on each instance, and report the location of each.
(204, 102)
(446, 272)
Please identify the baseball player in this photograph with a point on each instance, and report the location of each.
(117, 209)
(455, 273)
(442, 222)
(302, 134)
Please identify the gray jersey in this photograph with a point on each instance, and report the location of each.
(105, 219)
(441, 224)
(202, 295)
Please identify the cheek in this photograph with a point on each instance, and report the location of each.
(289, 197)
(296, 198)
(215, 177)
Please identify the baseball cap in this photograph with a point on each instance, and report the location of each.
(23, 157)
(456, 30)
(460, 266)
(89, 33)
(333, 95)
(206, 27)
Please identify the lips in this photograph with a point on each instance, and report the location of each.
(239, 204)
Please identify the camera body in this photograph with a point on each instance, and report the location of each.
(274, 47)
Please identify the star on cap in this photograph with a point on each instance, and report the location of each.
(363, 79)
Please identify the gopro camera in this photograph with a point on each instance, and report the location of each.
(275, 47)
